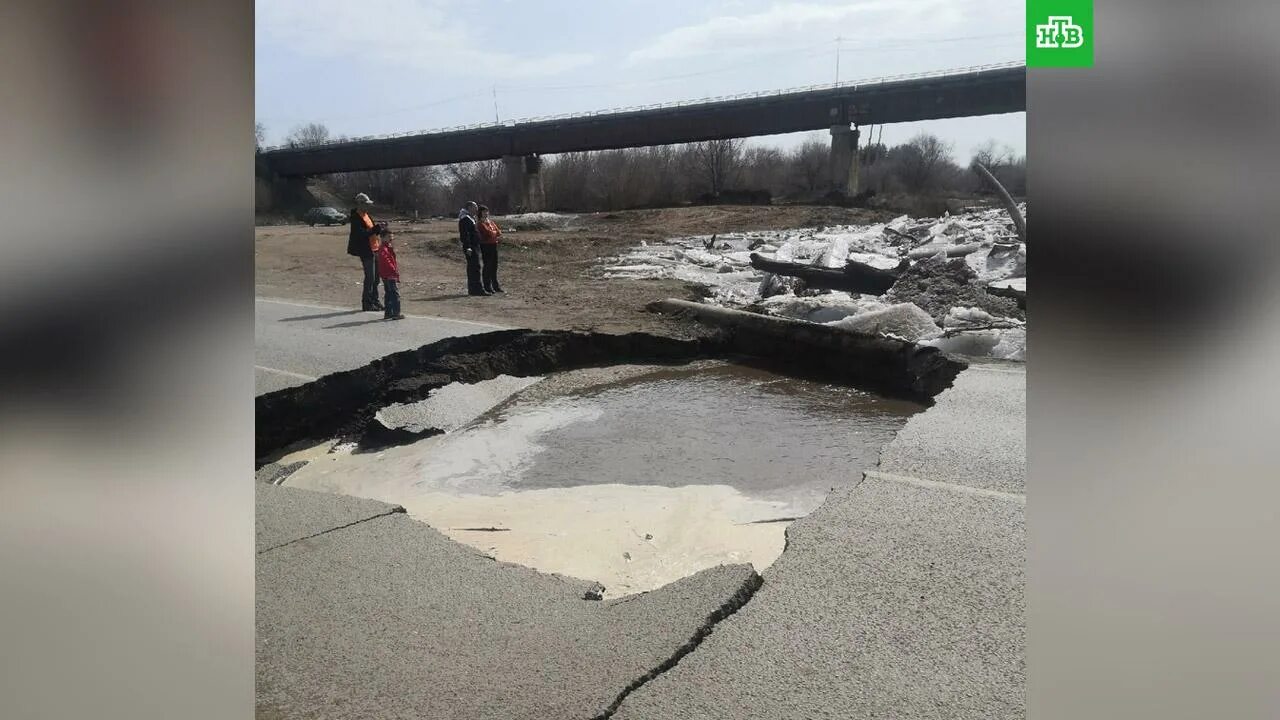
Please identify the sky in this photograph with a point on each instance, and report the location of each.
(386, 66)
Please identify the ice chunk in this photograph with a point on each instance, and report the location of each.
(786, 252)
(903, 320)
(820, 308)
(1009, 344)
(966, 316)
(875, 260)
(837, 253)
(1011, 283)
(701, 257)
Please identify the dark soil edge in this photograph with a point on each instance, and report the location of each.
(344, 404)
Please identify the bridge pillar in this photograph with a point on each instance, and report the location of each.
(524, 182)
(844, 160)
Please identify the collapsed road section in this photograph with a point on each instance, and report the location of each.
(362, 612)
(900, 596)
(345, 404)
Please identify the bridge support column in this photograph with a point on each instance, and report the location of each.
(289, 194)
(524, 182)
(844, 160)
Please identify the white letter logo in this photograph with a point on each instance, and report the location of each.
(1059, 32)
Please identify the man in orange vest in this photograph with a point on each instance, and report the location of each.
(363, 243)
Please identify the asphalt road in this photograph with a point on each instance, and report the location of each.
(900, 597)
(364, 612)
(295, 343)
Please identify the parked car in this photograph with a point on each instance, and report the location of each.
(325, 216)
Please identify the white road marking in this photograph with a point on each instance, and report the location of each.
(952, 487)
(421, 317)
(285, 372)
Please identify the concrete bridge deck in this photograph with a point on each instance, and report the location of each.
(982, 91)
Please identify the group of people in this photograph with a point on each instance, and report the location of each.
(373, 243)
(479, 235)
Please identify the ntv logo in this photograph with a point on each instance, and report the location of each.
(1059, 32)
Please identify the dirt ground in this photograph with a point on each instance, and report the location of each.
(551, 277)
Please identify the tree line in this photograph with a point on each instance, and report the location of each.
(668, 175)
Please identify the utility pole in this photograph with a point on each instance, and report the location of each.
(495, 104)
(838, 59)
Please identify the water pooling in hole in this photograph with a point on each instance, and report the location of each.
(770, 437)
(632, 476)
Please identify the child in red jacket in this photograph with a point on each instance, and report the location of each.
(389, 271)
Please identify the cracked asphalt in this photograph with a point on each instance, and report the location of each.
(901, 596)
(295, 343)
(363, 612)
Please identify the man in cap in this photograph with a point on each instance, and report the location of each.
(363, 243)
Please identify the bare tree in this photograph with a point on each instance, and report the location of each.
(404, 189)
(716, 161)
(1009, 169)
(991, 154)
(259, 136)
(309, 135)
(921, 163)
(484, 181)
(809, 167)
(764, 169)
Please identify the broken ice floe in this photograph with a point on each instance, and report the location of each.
(722, 264)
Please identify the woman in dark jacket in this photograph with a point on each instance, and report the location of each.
(363, 243)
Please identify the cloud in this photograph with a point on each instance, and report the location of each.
(795, 23)
(403, 34)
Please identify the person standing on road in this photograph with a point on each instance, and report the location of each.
(389, 271)
(489, 236)
(469, 235)
(363, 243)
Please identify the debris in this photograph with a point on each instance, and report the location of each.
(902, 320)
(831, 273)
(1006, 199)
(937, 285)
(853, 277)
(595, 592)
(1010, 289)
(950, 251)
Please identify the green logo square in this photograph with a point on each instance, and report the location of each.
(1059, 33)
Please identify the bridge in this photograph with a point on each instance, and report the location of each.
(839, 107)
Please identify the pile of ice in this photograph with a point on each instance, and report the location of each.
(537, 221)
(722, 264)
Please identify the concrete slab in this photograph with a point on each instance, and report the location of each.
(454, 406)
(285, 515)
(893, 600)
(975, 435)
(901, 597)
(295, 343)
(275, 473)
(389, 618)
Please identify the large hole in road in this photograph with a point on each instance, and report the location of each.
(632, 474)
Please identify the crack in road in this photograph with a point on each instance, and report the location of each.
(730, 606)
(392, 511)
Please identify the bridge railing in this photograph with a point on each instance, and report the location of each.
(850, 84)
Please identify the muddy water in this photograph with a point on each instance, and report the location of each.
(631, 476)
(770, 437)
